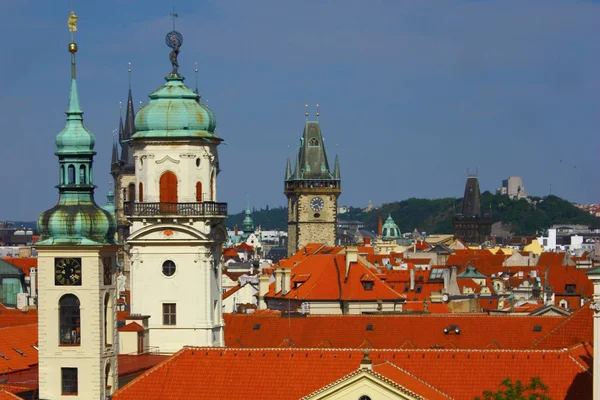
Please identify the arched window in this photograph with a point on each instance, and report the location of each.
(107, 379)
(71, 173)
(141, 192)
(168, 192)
(69, 320)
(82, 180)
(198, 191)
(131, 192)
(313, 142)
(212, 187)
(108, 320)
(62, 175)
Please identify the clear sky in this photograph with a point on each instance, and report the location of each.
(411, 93)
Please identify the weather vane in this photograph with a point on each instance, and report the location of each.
(174, 40)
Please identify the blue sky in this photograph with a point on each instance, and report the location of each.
(411, 93)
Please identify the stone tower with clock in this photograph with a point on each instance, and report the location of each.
(312, 190)
(76, 255)
(177, 226)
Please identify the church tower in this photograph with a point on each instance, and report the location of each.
(471, 225)
(123, 173)
(312, 191)
(76, 258)
(177, 226)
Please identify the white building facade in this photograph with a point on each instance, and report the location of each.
(177, 229)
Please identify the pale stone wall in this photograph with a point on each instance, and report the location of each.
(152, 160)
(92, 355)
(128, 342)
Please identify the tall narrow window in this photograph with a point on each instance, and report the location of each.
(131, 192)
(169, 314)
(62, 179)
(69, 320)
(198, 191)
(69, 382)
(82, 177)
(71, 173)
(107, 379)
(212, 187)
(168, 192)
(108, 320)
(141, 192)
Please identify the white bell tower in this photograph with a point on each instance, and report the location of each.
(177, 229)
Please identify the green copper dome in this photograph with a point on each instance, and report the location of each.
(248, 223)
(390, 230)
(76, 219)
(175, 112)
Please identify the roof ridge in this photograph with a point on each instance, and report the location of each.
(562, 324)
(150, 371)
(415, 377)
(357, 349)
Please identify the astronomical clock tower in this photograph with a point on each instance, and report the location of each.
(177, 226)
(76, 258)
(312, 191)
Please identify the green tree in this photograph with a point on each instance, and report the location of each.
(535, 390)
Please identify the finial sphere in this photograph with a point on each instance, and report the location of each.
(174, 40)
(72, 47)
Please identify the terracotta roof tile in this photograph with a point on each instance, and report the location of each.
(293, 373)
(21, 338)
(131, 327)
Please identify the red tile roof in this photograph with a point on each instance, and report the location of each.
(131, 364)
(282, 374)
(478, 331)
(577, 328)
(24, 263)
(14, 317)
(131, 327)
(327, 281)
(409, 381)
(231, 291)
(22, 338)
(4, 395)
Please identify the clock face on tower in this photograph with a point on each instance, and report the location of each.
(67, 271)
(107, 263)
(317, 203)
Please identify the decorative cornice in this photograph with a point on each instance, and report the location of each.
(167, 158)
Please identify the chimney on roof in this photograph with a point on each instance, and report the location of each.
(235, 230)
(286, 276)
(380, 227)
(278, 273)
(446, 277)
(366, 362)
(351, 257)
(412, 279)
(263, 288)
(33, 286)
(453, 288)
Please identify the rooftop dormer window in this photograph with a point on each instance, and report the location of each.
(313, 142)
(368, 285)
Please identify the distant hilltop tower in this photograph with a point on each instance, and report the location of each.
(471, 225)
(312, 190)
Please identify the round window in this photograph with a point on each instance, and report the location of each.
(168, 268)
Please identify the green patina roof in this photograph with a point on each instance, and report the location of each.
(7, 269)
(471, 272)
(311, 162)
(390, 230)
(174, 112)
(248, 223)
(75, 138)
(76, 219)
(595, 271)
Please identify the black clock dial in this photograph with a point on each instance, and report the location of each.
(317, 203)
(67, 271)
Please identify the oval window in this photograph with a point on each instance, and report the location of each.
(197, 162)
(168, 268)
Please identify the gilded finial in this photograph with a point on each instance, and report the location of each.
(306, 112)
(129, 74)
(72, 22)
(196, 71)
(317, 111)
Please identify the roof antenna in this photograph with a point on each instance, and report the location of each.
(196, 71)
(129, 74)
(174, 15)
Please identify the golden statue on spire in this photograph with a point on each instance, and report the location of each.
(72, 22)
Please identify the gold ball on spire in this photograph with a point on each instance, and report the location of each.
(72, 47)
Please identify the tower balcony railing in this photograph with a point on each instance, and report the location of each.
(204, 208)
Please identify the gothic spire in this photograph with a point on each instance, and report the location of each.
(336, 168)
(288, 169)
